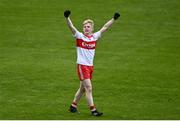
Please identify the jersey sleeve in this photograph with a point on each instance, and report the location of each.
(97, 35)
(77, 35)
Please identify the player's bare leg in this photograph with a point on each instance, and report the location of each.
(88, 88)
(79, 93)
(88, 91)
(77, 97)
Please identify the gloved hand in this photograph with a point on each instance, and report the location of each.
(116, 16)
(67, 13)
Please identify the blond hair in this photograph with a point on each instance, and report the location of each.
(89, 21)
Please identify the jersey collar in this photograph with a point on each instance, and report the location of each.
(88, 36)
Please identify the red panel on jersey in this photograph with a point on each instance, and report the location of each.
(86, 45)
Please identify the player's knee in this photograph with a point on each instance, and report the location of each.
(89, 89)
(82, 90)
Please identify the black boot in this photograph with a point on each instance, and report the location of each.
(96, 113)
(73, 109)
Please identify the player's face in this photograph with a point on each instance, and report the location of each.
(87, 28)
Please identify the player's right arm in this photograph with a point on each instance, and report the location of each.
(109, 23)
(69, 22)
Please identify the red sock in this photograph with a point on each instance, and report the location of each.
(74, 104)
(92, 108)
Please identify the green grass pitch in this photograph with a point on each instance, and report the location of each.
(137, 63)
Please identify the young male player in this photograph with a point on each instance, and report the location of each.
(86, 44)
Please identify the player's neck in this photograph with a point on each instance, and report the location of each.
(88, 34)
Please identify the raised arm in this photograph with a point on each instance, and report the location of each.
(109, 23)
(69, 22)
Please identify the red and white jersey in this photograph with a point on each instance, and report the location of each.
(86, 47)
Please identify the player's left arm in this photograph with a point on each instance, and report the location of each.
(109, 23)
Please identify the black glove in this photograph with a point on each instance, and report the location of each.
(116, 16)
(67, 13)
